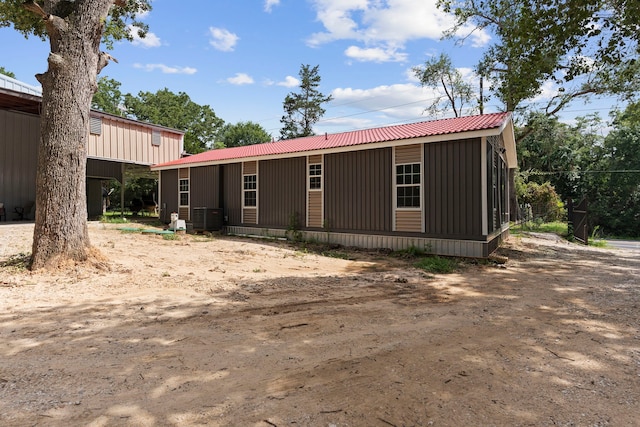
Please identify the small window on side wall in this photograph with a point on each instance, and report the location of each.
(250, 190)
(408, 185)
(184, 192)
(315, 177)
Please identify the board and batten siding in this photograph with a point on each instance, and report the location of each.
(358, 190)
(409, 219)
(282, 192)
(453, 189)
(231, 197)
(168, 193)
(204, 183)
(132, 143)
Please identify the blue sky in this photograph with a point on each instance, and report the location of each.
(242, 57)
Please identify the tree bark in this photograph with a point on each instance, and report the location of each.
(75, 30)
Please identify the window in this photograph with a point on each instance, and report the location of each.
(315, 177)
(408, 185)
(183, 188)
(250, 188)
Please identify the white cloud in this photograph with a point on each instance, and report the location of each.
(222, 39)
(289, 81)
(269, 4)
(375, 54)
(166, 69)
(404, 101)
(384, 25)
(240, 79)
(150, 40)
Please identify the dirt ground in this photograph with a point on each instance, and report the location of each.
(227, 331)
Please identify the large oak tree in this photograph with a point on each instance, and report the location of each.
(75, 30)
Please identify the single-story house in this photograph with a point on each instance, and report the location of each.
(117, 148)
(440, 186)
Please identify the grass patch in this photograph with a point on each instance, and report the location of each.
(337, 254)
(171, 236)
(113, 219)
(556, 227)
(437, 265)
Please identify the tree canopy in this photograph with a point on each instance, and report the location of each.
(302, 110)
(586, 47)
(7, 73)
(455, 94)
(108, 98)
(240, 134)
(177, 111)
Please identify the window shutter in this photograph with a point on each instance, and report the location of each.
(95, 125)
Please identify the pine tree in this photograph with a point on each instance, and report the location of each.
(304, 109)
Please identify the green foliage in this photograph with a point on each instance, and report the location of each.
(439, 74)
(304, 109)
(293, 228)
(437, 265)
(545, 203)
(117, 23)
(177, 111)
(559, 228)
(585, 47)
(108, 98)
(7, 73)
(240, 134)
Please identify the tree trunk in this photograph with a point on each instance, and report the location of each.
(74, 30)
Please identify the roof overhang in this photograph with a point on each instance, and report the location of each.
(19, 102)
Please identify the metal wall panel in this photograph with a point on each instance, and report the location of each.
(232, 193)
(282, 192)
(358, 190)
(19, 136)
(133, 143)
(449, 247)
(205, 187)
(453, 189)
(168, 194)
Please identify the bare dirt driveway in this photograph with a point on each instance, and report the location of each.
(239, 332)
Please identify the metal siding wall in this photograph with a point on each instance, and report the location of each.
(205, 187)
(19, 136)
(104, 169)
(358, 190)
(169, 195)
(453, 189)
(282, 191)
(131, 142)
(232, 195)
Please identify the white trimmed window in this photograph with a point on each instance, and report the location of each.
(408, 185)
(250, 190)
(315, 176)
(183, 189)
